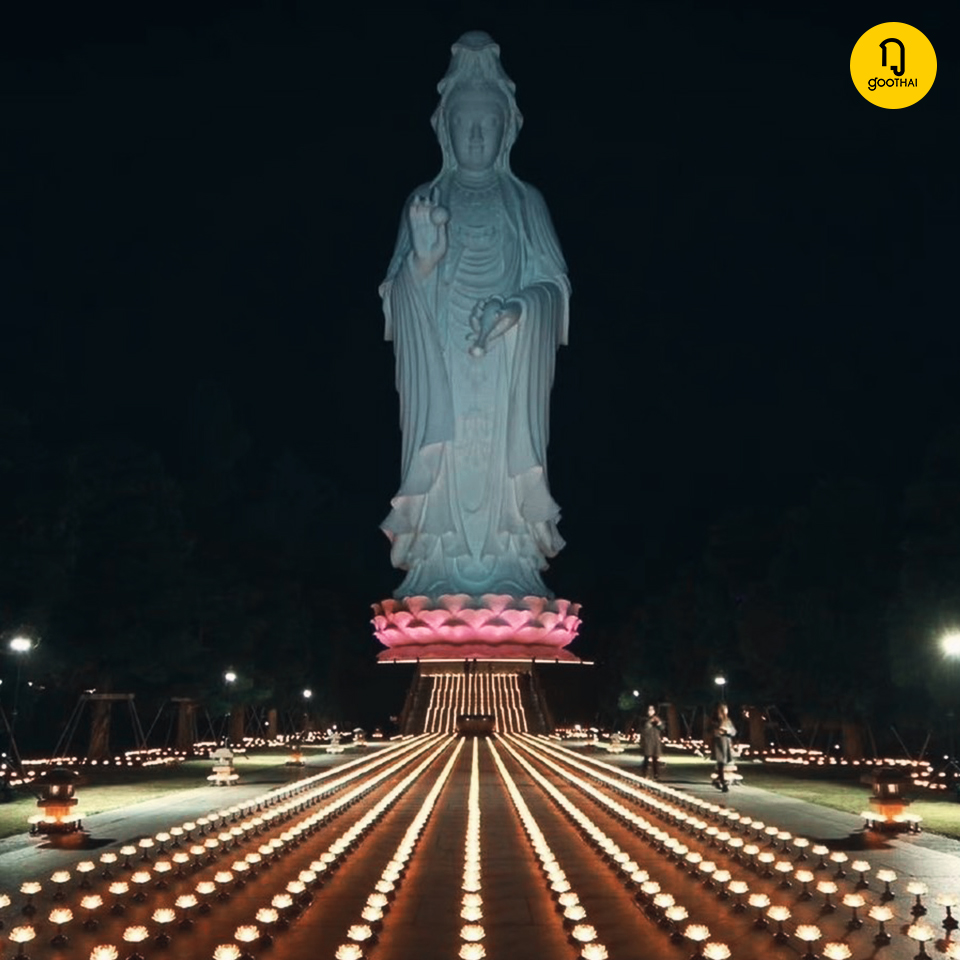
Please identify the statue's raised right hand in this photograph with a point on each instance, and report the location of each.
(428, 230)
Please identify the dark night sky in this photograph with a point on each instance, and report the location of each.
(763, 262)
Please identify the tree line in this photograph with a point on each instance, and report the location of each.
(137, 571)
(833, 609)
(149, 572)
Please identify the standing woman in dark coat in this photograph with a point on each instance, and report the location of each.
(722, 732)
(651, 742)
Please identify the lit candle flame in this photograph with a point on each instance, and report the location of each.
(807, 932)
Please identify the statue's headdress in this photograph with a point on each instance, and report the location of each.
(475, 65)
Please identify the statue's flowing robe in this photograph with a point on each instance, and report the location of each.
(462, 523)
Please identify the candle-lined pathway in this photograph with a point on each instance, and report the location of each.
(515, 847)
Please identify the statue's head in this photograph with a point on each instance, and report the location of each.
(476, 117)
(477, 120)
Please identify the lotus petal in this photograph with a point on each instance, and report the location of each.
(416, 604)
(455, 602)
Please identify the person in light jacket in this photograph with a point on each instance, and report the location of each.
(722, 732)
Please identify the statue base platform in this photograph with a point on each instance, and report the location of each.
(488, 627)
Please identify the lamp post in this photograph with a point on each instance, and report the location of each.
(229, 679)
(19, 646)
(307, 697)
(950, 645)
(721, 682)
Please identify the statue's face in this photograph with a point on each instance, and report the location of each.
(476, 130)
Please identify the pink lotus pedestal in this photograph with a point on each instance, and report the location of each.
(490, 627)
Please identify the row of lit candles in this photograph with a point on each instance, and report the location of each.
(647, 796)
(509, 694)
(297, 893)
(479, 694)
(627, 869)
(198, 852)
(663, 903)
(281, 905)
(445, 703)
(921, 772)
(733, 845)
(183, 834)
(780, 913)
(583, 934)
(730, 818)
(471, 905)
(456, 693)
(378, 902)
(35, 768)
(442, 708)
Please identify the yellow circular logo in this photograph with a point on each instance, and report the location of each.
(893, 65)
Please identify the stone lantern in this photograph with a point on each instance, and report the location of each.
(295, 759)
(223, 772)
(57, 801)
(887, 801)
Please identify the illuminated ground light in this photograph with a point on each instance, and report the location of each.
(854, 901)
(779, 914)
(20, 936)
(808, 934)
(882, 914)
(949, 902)
(922, 934)
(104, 951)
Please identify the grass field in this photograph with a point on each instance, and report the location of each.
(941, 813)
(107, 790)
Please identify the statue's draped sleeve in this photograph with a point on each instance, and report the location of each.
(426, 406)
(543, 326)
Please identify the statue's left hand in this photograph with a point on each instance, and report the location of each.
(484, 315)
(508, 316)
(491, 319)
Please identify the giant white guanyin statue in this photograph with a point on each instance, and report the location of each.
(476, 302)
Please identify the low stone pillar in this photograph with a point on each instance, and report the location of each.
(757, 722)
(674, 730)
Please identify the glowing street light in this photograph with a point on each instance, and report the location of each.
(307, 694)
(19, 645)
(949, 643)
(230, 677)
(721, 682)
